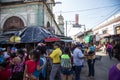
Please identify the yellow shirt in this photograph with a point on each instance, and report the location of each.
(55, 55)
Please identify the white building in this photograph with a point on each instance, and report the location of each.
(17, 14)
(108, 27)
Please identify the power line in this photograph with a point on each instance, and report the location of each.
(109, 15)
(83, 10)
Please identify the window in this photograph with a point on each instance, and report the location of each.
(104, 31)
(118, 29)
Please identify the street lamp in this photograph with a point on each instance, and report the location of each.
(51, 9)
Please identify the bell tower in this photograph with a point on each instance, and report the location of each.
(61, 23)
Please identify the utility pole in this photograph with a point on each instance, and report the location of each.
(68, 23)
(66, 28)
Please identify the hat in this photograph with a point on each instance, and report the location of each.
(14, 49)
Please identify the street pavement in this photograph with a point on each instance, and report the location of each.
(101, 67)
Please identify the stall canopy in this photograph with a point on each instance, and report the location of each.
(34, 34)
(65, 39)
(5, 36)
(53, 39)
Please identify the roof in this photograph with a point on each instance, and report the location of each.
(82, 34)
(111, 20)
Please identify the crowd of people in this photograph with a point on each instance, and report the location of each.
(41, 63)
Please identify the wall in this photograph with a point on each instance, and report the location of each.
(31, 14)
(110, 28)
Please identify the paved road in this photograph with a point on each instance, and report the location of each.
(101, 67)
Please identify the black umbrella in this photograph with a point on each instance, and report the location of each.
(33, 34)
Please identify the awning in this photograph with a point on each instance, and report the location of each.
(53, 39)
(65, 40)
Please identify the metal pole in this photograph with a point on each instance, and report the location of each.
(51, 9)
(51, 15)
(84, 32)
(66, 28)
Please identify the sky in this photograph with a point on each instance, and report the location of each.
(91, 12)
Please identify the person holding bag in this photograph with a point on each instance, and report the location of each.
(91, 60)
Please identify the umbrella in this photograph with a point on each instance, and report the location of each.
(33, 34)
(15, 39)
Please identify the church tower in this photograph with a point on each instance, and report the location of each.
(61, 23)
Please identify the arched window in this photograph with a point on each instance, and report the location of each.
(13, 23)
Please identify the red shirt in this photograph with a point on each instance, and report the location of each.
(106, 45)
(5, 74)
(31, 66)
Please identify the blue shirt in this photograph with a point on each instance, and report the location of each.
(92, 48)
(77, 54)
(37, 72)
(1, 59)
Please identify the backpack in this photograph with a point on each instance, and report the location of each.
(66, 61)
(109, 49)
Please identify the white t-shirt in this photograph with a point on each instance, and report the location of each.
(6, 55)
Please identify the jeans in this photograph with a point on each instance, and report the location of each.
(77, 72)
(91, 63)
(110, 55)
(55, 69)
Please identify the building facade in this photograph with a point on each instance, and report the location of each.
(86, 37)
(17, 14)
(61, 23)
(108, 27)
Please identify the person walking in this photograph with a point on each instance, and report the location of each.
(78, 59)
(110, 50)
(91, 60)
(55, 55)
(66, 65)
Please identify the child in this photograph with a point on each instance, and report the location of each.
(18, 63)
(66, 65)
(32, 65)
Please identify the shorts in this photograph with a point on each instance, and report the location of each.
(66, 71)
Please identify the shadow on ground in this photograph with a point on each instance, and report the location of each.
(102, 67)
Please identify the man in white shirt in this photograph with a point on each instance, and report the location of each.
(78, 59)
